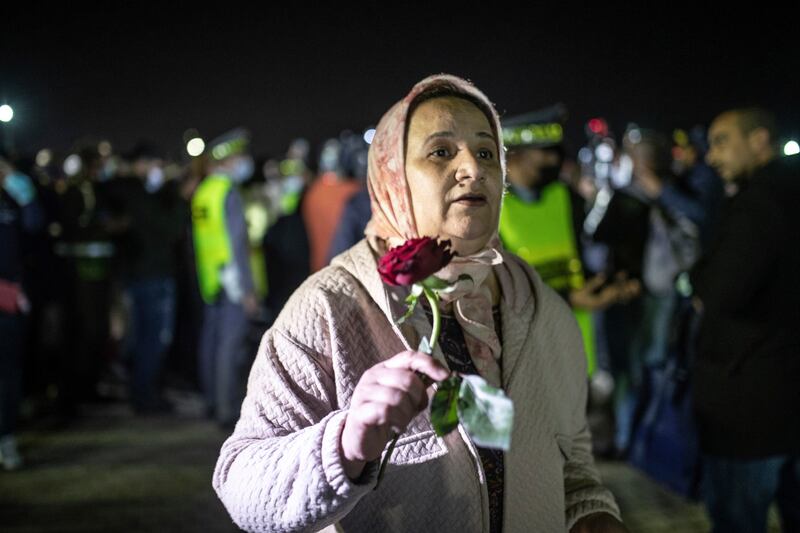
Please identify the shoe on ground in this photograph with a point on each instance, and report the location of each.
(9, 455)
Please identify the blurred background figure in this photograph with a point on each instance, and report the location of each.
(745, 389)
(671, 247)
(542, 218)
(183, 362)
(325, 200)
(698, 190)
(615, 230)
(357, 210)
(148, 221)
(224, 276)
(21, 217)
(85, 245)
(286, 246)
(260, 212)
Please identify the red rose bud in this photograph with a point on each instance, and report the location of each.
(413, 261)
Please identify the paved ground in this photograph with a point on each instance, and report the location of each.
(113, 472)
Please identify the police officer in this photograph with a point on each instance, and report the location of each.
(541, 218)
(224, 275)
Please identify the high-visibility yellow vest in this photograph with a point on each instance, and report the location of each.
(542, 234)
(211, 242)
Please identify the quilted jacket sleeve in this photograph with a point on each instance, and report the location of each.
(584, 490)
(585, 493)
(281, 468)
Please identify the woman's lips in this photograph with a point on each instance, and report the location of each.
(471, 200)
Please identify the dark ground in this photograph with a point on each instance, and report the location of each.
(114, 472)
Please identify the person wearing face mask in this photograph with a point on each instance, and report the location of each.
(148, 223)
(21, 217)
(325, 201)
(336, 374)
(286, 247)
(222, 256)
(541, 218)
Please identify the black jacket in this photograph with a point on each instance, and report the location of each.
(747, 373)
(16, 225)
(150, 244)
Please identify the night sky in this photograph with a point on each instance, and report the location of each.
(126, 74)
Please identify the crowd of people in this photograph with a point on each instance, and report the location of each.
(125, 274)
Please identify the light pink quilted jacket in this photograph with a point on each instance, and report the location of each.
(280, 469)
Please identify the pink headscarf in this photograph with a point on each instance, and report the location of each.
(393, 222)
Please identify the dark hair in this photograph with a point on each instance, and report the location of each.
(448, 90)
(753, 118)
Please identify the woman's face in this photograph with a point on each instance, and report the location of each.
(453, 172)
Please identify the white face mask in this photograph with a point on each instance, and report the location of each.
(155, 179)
(108, 171)
(292, 184)
(242, 169)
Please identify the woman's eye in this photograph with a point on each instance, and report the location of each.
(485, 154)
(440, 152)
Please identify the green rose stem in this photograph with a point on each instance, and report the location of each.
(433, 300)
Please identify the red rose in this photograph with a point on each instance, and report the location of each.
(413, 261)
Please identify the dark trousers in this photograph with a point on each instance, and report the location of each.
(87, 311)
(152, 329)
(738, 493)
(223, 358)
(11, 339)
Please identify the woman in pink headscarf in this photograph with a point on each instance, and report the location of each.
(336, 377)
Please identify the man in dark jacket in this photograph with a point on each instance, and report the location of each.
(747, 376)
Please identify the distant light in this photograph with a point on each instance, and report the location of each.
(680, 137)
(104, 148)
(44, 157)
(72, 165)
(369, 135)
(195, 146)
(622, 172)
(635, 136)
(6, 113)
(598, 126)
(791, 148)
(604, 152)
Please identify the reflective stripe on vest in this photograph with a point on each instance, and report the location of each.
(211, 244)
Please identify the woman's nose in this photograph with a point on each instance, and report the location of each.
(468, 166)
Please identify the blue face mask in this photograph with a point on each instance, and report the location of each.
(155, 179)
(242, 169)
(108, 171)
(292, 184)
(20, 188)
